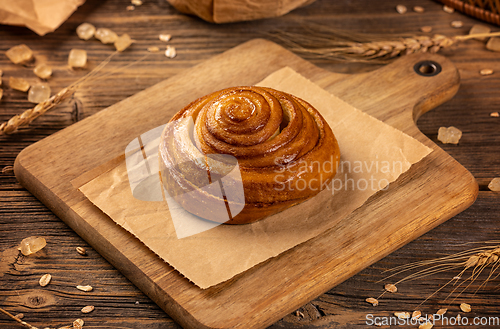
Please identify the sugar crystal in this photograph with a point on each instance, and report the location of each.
(105, 35)
(165, 37)
(493, 44)
(39, 93)
(494, 185)
(19, 54)
(479, 29)
(43, 71)
(450, 135)
(77, 58)
(32, 244)
(123, 42)
(19, 84)
(85, 31)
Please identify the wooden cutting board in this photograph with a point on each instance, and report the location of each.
(432, 191)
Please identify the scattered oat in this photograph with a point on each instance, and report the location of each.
(153, 49)
(418, 9)
(448, 9)
(493, 44)
(457, 24)
(165, 37)
(402, 315)
(401, 9)
(1, 93)
(426, 29)
(19, 84)
(43, 71)
(479, 29)
(19, 54)
(45, 280)
(84, 288)
(450, 135)
(494, 114)
(465, 307)
(85, 31)
(372, 301)
(123, 42)
(32, 244)
(441, 311)
(77, 58)
(426, 325)
(81, 251)
(88, 309)
(130, 8)
(170, 52)
(486, 72)
(494, 185)
(19, 316)
(7, 169)
(136, 2)
(416, 314)
(390, 287)
(78, 324)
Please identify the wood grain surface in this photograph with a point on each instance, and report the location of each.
(386, 222)
(116, 298)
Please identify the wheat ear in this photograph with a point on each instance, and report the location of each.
(379, 51)
(28, 116)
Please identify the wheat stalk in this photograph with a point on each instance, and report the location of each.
(341, 46)
(28, 116)
(476, 259)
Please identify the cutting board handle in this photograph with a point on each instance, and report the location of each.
(408, 87)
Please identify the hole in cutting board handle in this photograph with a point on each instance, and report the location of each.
(427, 68)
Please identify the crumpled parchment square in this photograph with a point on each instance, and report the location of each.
(373, 155)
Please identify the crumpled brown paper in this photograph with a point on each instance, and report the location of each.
(369, 148)
(40, 16)
(226, 11)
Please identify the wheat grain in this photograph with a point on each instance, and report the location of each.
(390, 288)
(28, 116)
(465, 307)
(45, 280)
(85, 288)
(87, 309)
(81, 251)
(372, 301)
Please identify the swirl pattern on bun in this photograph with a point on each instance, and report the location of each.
(255, 150)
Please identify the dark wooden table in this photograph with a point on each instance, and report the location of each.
(122, 305)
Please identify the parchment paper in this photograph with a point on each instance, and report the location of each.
(40, 16)
(372, 152)
(226, 11)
